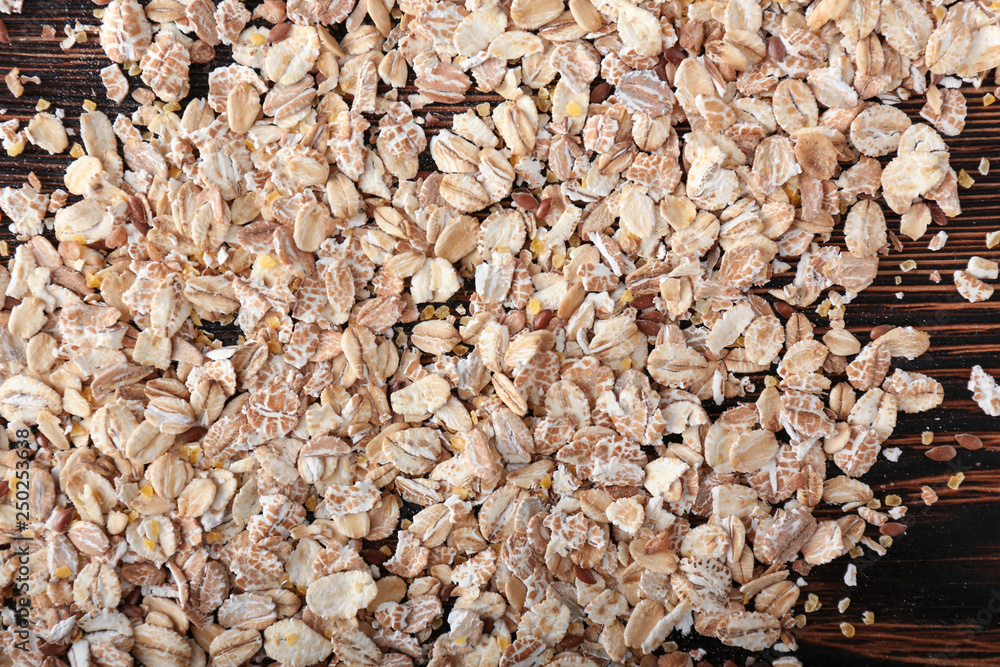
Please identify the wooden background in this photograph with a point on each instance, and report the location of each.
(936, 595)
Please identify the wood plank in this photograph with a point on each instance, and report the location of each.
(936, 596)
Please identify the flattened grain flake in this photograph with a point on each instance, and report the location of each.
(615, 276)
(985, 391)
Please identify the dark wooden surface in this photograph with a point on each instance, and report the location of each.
(936, 595)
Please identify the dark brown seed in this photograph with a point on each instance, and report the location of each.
(542, 319)
(784, 309)
(600, 92)
(52, 648)
(194, 434)
(543, 208)
(892, 529)
(373, 556)
(661, 72)
(676, 659)
(941, 453)
(134, 596)
(4, 37)
(139, 217)
(968, 441)
(570, 642)
(584, 575)
(42, 441)
(4, 488)
(132, 611)
(776, 48)
(881, 330)
(937, 215)
(279, 32)
(651, 329)
(138, 210)
(652, 315)
(488, 625)
(525, 200)
(447, 590)
(643, 302)
(674, 56)
(62, 517)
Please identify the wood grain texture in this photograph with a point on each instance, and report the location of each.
(936, 595)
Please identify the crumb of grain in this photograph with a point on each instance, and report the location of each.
(847, 629)
(843, 605)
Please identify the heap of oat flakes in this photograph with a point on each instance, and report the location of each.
(371, 477)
